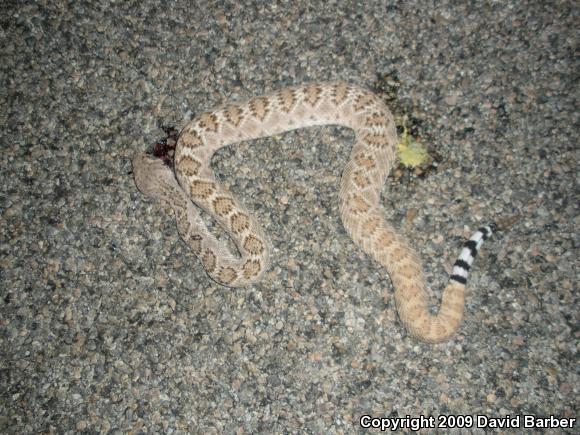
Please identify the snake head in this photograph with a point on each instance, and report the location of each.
(151, 174)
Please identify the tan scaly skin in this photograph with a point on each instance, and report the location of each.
(371, 159)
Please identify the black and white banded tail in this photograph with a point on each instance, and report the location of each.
(468, 253)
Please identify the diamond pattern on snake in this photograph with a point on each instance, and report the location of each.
(192, 187)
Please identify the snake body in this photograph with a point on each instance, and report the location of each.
(371, 159)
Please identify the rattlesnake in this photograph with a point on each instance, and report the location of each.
(372, 157)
